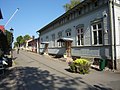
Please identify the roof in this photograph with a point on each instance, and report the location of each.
(63, 39)
(84, 2)
(45, 42)
(2, 28)
(29, 40)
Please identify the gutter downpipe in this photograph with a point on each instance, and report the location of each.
(113, 33)
(113, 12)
(39, 44)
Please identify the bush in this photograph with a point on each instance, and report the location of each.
(81, 66)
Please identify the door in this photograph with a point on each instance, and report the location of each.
(68, 48)
(46, 48)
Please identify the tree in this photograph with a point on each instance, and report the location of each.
(19, 40)
(4, 47)
(9, 37)
(72, 4)
(15, 44)
(26, 37)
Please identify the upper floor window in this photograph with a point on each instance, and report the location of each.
(97, 33)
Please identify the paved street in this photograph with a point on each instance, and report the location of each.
(36, 72)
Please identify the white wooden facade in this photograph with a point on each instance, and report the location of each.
(94, 26)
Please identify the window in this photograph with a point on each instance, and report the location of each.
(117, 1)
(59, 36)
(53, 40)
(97, 33)
(47, 38)
(96, 3)
(68, 32)
(79, 12)
(41, 39)
(80, 36)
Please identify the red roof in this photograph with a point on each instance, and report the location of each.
(2, 28)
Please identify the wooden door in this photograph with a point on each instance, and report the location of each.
(68, 48)
(46, 48)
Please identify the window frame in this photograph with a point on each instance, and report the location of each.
(53, 40)
(68, 32)
(98, 30)
(80, 35)
(47, 38)
(59, 36)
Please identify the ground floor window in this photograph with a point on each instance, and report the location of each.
(80, 36)
(53, 40)
(97, 34)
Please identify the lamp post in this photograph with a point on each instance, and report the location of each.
(38, 43)
(11, 30)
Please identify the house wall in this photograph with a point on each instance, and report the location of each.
(87, 49)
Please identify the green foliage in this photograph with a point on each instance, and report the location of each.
(21, 40)
(72, 4)
(15, 44)
(3, 42)
(9, 37)
(26, 37)
(81, 66)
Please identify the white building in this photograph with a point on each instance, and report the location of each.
(91, 29)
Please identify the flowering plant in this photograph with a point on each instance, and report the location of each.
(80, 65)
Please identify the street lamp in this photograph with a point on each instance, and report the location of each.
(11, 30)
(38, 42)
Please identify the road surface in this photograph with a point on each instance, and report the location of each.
(38, 72)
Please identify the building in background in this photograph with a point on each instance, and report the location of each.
(32, 45)
(91, 30)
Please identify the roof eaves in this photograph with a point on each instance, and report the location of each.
(66, 13)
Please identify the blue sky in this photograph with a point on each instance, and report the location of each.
(32, 14)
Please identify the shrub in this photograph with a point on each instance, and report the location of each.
(81, 66)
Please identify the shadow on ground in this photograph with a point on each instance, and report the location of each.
(31, 78)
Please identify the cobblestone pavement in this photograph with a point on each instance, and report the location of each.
(36, 72)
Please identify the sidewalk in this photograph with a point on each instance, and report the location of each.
(94, 78)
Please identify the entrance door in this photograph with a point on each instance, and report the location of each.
(46, 48)
(68, 48)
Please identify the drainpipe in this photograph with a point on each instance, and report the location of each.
(38, 43)
(113, 12)
(112, 33)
